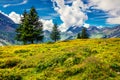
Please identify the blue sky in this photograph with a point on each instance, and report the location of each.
(44, 8)
(91, 12)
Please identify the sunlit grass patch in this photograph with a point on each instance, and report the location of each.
(84, 59)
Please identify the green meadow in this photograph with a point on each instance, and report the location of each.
(80, 59)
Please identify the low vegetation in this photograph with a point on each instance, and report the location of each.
(81, 59)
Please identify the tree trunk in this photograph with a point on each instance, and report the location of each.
(55, 40)
(24, 42)
(32, 42)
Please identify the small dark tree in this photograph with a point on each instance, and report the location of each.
(105, 36)
(55, 34)
(84, 34)
(78, 36)
(30, 29)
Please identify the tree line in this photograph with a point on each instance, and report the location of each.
(30, 29)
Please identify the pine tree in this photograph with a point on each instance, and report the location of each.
(78, 36)
(55, 34)
(84, 34)
(36, 27)
(30, 29)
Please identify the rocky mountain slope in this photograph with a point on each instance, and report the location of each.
(7, 30)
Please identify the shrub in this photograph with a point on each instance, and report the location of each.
(65, 40)
(10, 77)
(21, 51)
(42, 66)
(60, 59)
(70, 72)
(87, 52)
(72, 61)
(26, 64)
(69, 62)
(115, 67)
(94, 51)
(77, 60)
(10, 63)
(50, 42)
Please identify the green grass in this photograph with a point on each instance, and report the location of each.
(92, 59)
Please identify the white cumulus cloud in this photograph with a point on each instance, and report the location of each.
(13, 16)
(111, 7)
(114, 20)
(86, 25)
(47, 24)
(70, 15)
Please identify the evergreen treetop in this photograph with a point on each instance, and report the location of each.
(55, 34)
(83, 34)
(30, 29)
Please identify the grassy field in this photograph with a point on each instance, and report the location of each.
(92, 59)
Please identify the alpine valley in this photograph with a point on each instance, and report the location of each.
(7, 32)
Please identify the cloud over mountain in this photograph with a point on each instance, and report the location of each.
(73, 12)
(112, 8)
(70, 15)
(47, 24)
(15, 17)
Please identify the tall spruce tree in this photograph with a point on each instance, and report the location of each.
(36, 27)
(78, 36)
(84, 34)
(30, 29)
(55, 34)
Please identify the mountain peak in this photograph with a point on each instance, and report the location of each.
(6, 19)
(6, 24)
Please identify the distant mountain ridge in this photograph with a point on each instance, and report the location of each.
(7, 32)
(93, 31)
(105, 32)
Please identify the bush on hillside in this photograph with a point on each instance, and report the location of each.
(10, 63)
